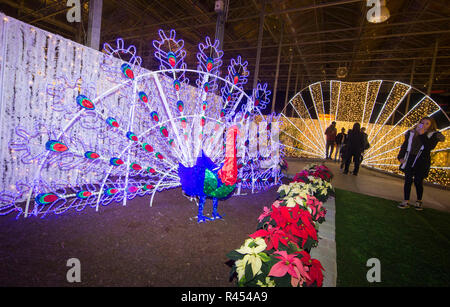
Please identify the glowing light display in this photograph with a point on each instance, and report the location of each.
(386, 114)
(130, 139)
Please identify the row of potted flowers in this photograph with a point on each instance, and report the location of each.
(278, 253)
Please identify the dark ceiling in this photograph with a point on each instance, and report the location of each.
(320, 35)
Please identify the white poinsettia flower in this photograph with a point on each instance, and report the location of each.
(251, 249)
(240, 268)
(268, 283)
(255, 262)
(296, 190)
(284, 188)
(252, 246)
(290, 203)
(311, 188)
(299, 199)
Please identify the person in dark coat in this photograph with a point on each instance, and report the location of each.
(415, 158)
(330, 133)
(340, 140)
(366, 138)
(344, 149)
(354, 148)
(366, 142)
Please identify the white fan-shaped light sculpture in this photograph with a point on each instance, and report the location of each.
(386, 108)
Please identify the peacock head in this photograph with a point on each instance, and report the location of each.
(234, 131)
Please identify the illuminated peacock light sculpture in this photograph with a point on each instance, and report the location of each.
(386, 108)
(141, 132)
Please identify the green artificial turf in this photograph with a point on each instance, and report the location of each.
(413, 247)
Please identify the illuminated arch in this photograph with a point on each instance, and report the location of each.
(386, 108)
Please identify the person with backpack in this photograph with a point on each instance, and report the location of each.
(340, 140)
(354, 148)
(415, 158)
(344, 150)
(366, 142)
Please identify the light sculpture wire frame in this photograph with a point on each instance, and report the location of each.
(127, 141)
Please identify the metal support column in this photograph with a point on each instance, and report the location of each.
(433, 68)
(288, 81)
(260, 37)
(95, 23)
(222, 13)
(274, 96)
(296, 86)
(411, 80)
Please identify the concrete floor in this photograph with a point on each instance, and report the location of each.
(373, 183)
(135, 245)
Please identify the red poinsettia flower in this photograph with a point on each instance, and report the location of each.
(273, 236)
(306, 220)
(290, 264)
(277, 216)
(290, 225)
(291, 217)
(266, 212)
(300, 177)
(316, 207)
(322, 213)
(315, 269)
(315, 272)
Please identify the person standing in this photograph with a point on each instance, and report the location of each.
(366, 142)
(344, 150)
(415, 158)
(330, 133)
(340, 140)
(354, 148)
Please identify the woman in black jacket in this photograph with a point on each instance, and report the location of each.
(415, 157)
(354, 148)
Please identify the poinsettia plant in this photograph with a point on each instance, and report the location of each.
(309, 202)
(316, 187)
(316, 208)
(302, 176)
(291, 224)
(277, 253)
(316, 170)
(284, 234)
(288, 266)
(298, 196)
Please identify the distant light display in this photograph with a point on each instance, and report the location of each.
(383, 114)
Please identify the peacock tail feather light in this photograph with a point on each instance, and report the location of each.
(129, 140)
(56, 146)
(85, 103)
